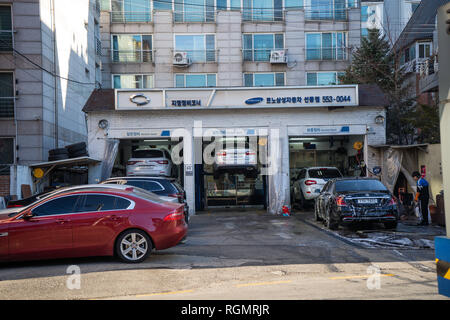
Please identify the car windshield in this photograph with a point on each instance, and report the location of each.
(360, 185)
(147, 154)
(324, 173)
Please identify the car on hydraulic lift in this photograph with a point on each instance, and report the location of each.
(235, 155)
(352, 200)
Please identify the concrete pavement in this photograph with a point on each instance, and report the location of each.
(238, 255)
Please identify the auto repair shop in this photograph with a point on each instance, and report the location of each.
(283, 129)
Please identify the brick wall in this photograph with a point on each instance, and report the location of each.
(4, 186)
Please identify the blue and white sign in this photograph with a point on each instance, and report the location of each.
(228, 98)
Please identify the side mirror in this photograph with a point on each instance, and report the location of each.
(27, 216)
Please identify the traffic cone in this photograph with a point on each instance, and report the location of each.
(286, 211)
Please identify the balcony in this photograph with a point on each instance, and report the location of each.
(259, 55)
(131, 17)
(428, 75)
(122, 56)
(263, 15)
(192, 17)
(326, 14)
(7, 107)
(327, 54)
(198, 56)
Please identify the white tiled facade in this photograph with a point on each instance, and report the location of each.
(229, 27)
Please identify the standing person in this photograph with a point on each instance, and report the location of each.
(422, 196)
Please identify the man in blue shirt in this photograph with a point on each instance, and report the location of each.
(422, 196)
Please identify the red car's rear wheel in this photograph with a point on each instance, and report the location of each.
(133, 246)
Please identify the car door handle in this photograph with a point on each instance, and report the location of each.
(114, 218)
(62, 221)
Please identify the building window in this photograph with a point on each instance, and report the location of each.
(326, 9)
(323, 78)
(195, 80)
(262, 10)
(124, 11)
(6, 151)
(264, 79)
(133, 81)
(194, 11)
(424, 50)
(326, 46)
(200, 48)
(132, 48)
(364, 32)
(6, 95)
(364, 13)
(257, 47)
(293, 4)
(6, 33)
(162, 5)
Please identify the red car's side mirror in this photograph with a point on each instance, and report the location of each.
(27, 216)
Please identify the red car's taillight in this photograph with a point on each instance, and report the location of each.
(175, 215)
(223, 154)
(250, 153)
(310, 182)
(176, 195)
(340, 201)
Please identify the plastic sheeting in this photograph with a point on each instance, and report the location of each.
(392, 163)
(276, 190)
(109, 157)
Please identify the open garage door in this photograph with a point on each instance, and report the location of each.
(147, 157)
(316, 159)
(234, 178)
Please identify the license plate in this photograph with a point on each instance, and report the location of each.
(367, 201)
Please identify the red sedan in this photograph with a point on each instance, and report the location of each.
(92, 221)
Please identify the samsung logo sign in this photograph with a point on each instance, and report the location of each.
(254, 100)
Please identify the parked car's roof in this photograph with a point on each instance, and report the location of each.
(315, 168)
(142, 178)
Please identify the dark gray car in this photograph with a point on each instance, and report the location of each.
(350, 200)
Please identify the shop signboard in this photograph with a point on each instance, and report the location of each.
(228, 98)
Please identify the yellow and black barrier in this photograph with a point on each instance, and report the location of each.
(443, 269)
(442, 251)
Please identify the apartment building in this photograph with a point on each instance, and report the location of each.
(396, 15)
(49, 64)
(226, 43)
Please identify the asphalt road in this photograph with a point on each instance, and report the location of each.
(240, 255)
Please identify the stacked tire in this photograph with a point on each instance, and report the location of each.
(77, 150)
(58, 154)
(71, 151)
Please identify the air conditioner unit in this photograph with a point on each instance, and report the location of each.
(278, 56)
(181, 58)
